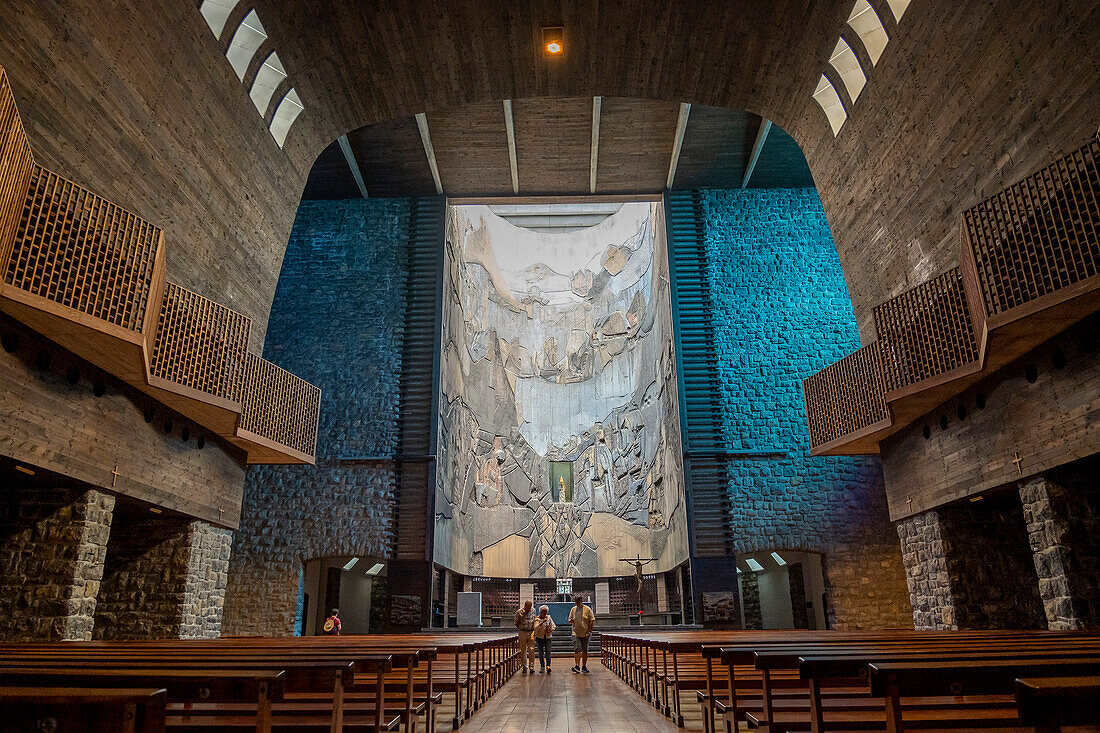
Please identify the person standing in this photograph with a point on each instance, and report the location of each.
(582, 620)
(332, 623)
(525, 624)
(544, 629)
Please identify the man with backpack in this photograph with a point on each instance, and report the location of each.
(525, 624)
(332, 624)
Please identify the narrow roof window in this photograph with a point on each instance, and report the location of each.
(898, 8)
(285, 114)
(216, 12)
(867, 25)
(847, 65)
(270, 75)
(829, 101)
(250, 34)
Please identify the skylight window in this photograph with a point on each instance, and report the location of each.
(898, 8)
(285, 114)
(270, 76)
(216, 12)
(829, 101)
(754, 565)
(248, 38)
(867, 25)
(844, 60)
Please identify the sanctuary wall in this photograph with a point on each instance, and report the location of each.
(559, 429)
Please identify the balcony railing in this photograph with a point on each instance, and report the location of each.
(16, 166)
(91, 276)
(846, 397)
(1038, 236)
(925, 332)
(1030, 251)
(81, 251)
(200, 344)
(279, 406)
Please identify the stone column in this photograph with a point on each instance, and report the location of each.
(165, 577)
(750, 600)
(1061, 526)
(924, 553)
(52, 548)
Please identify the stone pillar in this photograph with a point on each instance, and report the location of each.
(969, 566)
(1061, 527)
(924, 552)
(52, 548)
(165, 577)
(750, 599)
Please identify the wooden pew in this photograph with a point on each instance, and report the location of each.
(184, 686)
(894, 680)
(83, 709)
(1048, 703)
(407, 691)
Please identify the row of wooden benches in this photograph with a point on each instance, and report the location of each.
(847, 681)
(346, 683)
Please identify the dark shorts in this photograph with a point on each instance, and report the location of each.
(580, 643)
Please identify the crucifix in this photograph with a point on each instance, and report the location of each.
(638, 562)
(1017, 460)
(909, 501)
(114, 476)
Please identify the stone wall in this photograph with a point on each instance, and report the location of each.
(1062, 511)
(52, 547)
(970, 566)
(164, 577)
(782, 312)
(750, 601)
(337, 321)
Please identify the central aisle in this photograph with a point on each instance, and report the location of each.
(563, 702)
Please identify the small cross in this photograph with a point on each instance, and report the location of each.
(909, 501)
(1017, 460)
(114, 476)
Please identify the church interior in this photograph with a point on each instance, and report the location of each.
(340, 339)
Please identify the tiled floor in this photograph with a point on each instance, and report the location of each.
(563, 702)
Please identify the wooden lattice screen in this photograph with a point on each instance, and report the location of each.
(200, 344)
(279, 406)
(847, 396)
(925, 332)
(81, 251)
(16, 165)
(1038, 235)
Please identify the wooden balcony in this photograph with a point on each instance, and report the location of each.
(1029, 268)
(90, 276)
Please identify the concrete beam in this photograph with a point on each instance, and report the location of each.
(426, 139)
(509, 125)
(677, 142)
(597, 103)
(353, 164)
(761, 136)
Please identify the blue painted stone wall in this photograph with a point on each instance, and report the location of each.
(781, 313)
(337, 321)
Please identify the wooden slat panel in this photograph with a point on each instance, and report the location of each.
(553, 144)
(82, 251)
(471, 149)
(847, 396)
(715, 149)
(392, 159)
(279, 406)
(16, 166)
(1039, 235)
(200, 344)
(926, 331)
(635, 144)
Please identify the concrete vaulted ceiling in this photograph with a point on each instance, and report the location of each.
(964, 99)
(557, 144)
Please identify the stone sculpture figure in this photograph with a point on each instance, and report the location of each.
(603, 488)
